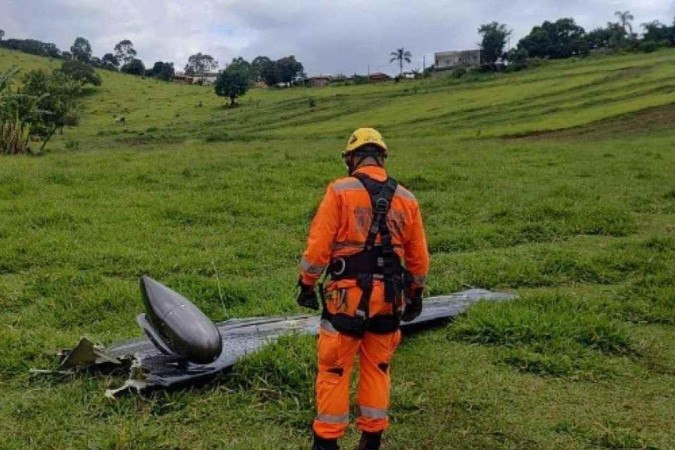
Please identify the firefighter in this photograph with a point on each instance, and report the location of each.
(367, 237)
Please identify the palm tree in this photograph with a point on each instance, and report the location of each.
(625, 18)
(401, 55)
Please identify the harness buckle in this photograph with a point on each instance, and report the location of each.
(342, 269)
(381, 205)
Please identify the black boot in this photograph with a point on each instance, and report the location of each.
(324, 444)
(370, 441)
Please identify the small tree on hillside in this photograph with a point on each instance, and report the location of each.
(289, 68)
(56, 97)
(110, 62)
(401, 55)
(257, 66)
(80, 72)
(199, 64)
(163, 71)
(81, 50)
(2, 34)
(125, 52)
(240, 64)
(270, 73)
(232, 83)
(134, 67)
(492, 44)
(560, 39)
(659, 33)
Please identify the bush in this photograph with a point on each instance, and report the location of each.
(458, 72)
(649, 46)
(80, 72)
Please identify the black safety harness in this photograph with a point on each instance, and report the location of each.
(373, 262)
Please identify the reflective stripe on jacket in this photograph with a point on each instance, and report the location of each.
(341, 225)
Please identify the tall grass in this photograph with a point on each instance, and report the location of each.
(14, 130)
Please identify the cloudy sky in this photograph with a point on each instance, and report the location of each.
(328, 36)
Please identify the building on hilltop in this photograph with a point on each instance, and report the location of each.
(201, 79)
(378, 76)
(318, 81)
(450, 60)
(180, 77)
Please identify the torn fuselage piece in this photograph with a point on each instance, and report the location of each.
(176, 326)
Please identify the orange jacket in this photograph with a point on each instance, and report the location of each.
(340, 227)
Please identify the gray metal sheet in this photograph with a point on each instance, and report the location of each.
(244, 336)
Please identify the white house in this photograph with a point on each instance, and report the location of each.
(450, 60)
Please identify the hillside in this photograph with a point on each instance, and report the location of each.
(557, 182)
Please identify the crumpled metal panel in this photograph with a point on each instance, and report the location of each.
(244, 336)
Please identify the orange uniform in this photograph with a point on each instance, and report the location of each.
(340, 228)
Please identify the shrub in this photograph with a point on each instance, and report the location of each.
(458, 72)
(649, 46)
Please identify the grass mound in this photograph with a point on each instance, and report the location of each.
(549, 334)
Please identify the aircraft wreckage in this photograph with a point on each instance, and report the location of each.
(183, 346)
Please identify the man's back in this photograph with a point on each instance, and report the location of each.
(343, 220)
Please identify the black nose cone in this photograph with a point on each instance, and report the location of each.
(184, 329)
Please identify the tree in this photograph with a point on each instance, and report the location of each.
(81, 50)
(240, 64)
(33, 47)
(257, 66)
(494, 37)
(232, 83)
(125, 52)
(289, 68)
(110, 62)
(134, 67)
(81, 72)
(657, 32)
(163, 70)
(401, 55)
(199, 64)
(2, 34)
(517, 58)
(625, 19)
(270, 74)
(560, 39)
(55, 96)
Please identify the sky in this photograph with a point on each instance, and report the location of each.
(327, 36)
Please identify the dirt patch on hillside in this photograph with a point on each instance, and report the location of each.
(648, 120)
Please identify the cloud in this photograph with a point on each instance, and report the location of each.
(327, 36)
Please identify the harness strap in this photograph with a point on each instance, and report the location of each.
(381, 196)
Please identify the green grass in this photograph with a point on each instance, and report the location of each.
(557, 183)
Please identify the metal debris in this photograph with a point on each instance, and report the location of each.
(151, 368)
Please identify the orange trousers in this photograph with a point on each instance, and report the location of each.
(336, 352)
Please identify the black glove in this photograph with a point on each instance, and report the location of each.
(413, 305)
(307, 296)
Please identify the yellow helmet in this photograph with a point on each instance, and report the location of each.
(364, 136)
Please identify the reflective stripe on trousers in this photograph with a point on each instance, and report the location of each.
(330, 418)
(373, 413)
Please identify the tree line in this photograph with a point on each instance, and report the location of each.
(124, 58)
(239, 75)
(564, 38)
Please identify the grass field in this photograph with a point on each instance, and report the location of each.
(557, 183)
